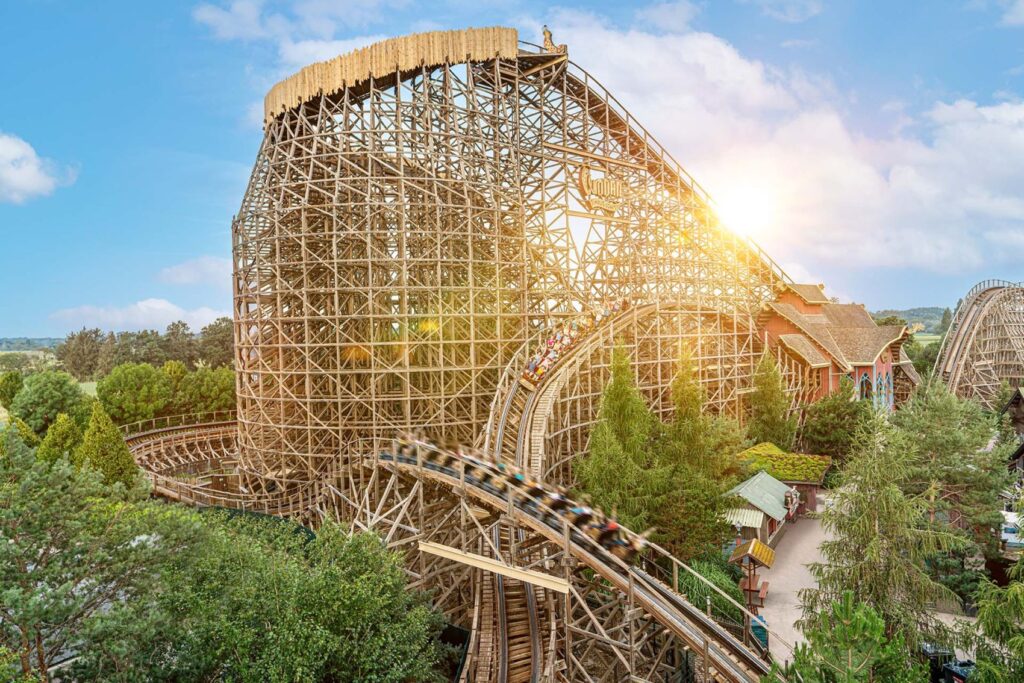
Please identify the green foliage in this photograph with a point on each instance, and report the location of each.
(73, 552)
(252, 604)
(697, 591)
(950, 467)
(17, 429)
(91, 354)
(103, 449)
(216, 343)
(43, 397)
(947, 320)
(79, 353)
(786, 466)
(831, 422)
(923, 356)
(769, 407)
(878, 539)
(134, 392)
(998, 638)
(10, 384)
(207, 390)
(848, 644)
(60, 441)
(670, 477)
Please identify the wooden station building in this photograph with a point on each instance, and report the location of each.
(830, 341)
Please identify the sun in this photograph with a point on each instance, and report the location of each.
(747, 209)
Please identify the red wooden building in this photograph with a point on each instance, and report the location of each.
(829, 341)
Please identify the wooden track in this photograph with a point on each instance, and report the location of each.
(985, 341)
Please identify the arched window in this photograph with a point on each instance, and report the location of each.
(889, 396)
(880, 399)
(865, 387)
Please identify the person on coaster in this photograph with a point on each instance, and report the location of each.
(580, 515)
(556, 500)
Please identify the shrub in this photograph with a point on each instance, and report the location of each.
(134, 392)
(44, 396)
(103, 448)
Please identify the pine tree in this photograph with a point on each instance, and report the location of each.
(958, 476)
(10, 385)
(831, 423)
(770, 420)
(947, 320)
(61, 440)
(879, 541)
(849, 644)
(103, 448)
(619, 472)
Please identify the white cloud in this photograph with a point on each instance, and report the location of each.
(669, 16)
(24, 174)
(1014, 14)
(792, 11)
(940, 191)
(241, 19)
(203, 270)
(145, 314)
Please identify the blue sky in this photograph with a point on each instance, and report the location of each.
(874, 146)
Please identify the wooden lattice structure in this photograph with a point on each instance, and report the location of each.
(420, 215)
(406, 231)
(985, 341)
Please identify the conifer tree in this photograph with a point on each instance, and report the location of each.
(619, 473)
(849, 644)
(60, 441)
(831, 422)
(10, 385)
(770, 420)
(960, 478)
(103, 448)
(878, 539)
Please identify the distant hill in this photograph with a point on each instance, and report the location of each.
(28, 343)
(929, 316)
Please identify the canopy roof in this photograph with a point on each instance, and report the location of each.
(764, 492)
(744, 517)
(758, 552)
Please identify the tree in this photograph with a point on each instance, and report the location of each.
(79, 353)
(60, 441)
(180, 344)
(107, 357)
(769, 407)
(879, 541)
(998, 637)
(73, 553)
(620, 472)
(176, 374)
(206, 390)
(216, 343)
(947, 320)
(960, 479)
(848, 644)
(10, 384)
(831, 422)
(103, 449)
(339, 608)
(43, 397)
(21, 431)
(134, 392)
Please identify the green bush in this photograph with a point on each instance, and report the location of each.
(786, 466)
(133, 392)
(44, 396)
(103, 449)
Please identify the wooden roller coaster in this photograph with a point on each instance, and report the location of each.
(422, 215)
(985, 342)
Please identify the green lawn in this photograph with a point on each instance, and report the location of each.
(88, 387)
(926, 339)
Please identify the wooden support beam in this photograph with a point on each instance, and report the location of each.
(488, 564)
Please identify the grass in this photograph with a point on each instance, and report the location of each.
(926, 339)
(88, 387)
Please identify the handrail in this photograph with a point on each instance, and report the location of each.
(590, 549)
(136, 429)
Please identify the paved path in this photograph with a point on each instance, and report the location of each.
(796, 549)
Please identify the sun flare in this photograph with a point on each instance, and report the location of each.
(748, 210)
